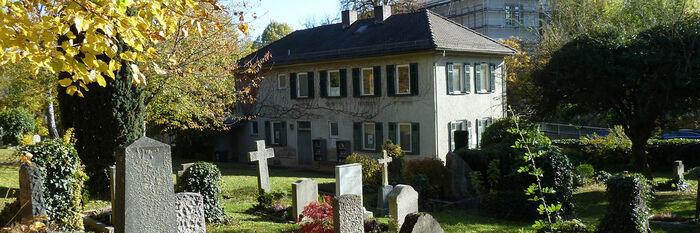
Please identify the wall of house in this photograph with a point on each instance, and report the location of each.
(276, 104)
(471, 106)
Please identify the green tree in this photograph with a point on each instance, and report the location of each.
(638, 82)
(16, 122)
(273, 32)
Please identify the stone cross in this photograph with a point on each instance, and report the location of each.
(385, 163)
(304, 192)
(678, 170)
(347, 214)
(261, 155)
(31, 196)
(144, 193)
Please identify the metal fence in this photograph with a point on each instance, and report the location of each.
(566, 131)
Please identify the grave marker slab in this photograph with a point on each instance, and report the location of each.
(420, 223)
(31, 192)
(403, 200)
(261, 155)
(678, 169)
(304, 192)
(190, 213)
(144, 195)
(348, 180)
(347, 214)
(457, 184)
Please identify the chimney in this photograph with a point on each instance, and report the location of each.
(381, 13)
(349, 17)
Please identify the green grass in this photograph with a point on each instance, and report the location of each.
(239, 189)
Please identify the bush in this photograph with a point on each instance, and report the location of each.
(627, 210)
(570, 226)
(317, 217)
(497, 133)
(583, 174)
(64, 178)
(371, 170)
(204, 178)
(602, 176)
(433, 169)
(558, 176)
(692, 174)
(15, 123)
(9, 212)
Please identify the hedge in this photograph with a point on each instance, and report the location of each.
(204, 178)
(627, 210)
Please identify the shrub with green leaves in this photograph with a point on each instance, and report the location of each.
(64, 179)
(204, 178)
(16, 122)
(692, 174)
(583, 174)
(432, 169)
(371, 170)
(627, 210)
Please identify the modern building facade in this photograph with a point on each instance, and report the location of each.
(498, 19)
(418, 79)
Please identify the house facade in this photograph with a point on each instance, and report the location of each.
(417, 79)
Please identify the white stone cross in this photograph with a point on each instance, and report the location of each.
(385, 173)
(261, 155)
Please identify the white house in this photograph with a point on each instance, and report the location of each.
(426, 83)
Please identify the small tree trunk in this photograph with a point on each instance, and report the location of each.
(53, 130)
(639, 154)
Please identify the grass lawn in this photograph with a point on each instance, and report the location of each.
(239, 189)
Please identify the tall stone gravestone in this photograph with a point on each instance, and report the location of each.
(385, 188)
(304, 192)
(348, 180)
(31, 193)
(144, 195)
(457, 183)
(347, 214)
(112, 182)
(190, 213)
(403, 200)
(678, 169)
(261, 155)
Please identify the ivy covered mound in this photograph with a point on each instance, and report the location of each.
(64, 179)
(628, 210)
(204, 178)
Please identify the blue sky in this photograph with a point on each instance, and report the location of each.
(292, 12)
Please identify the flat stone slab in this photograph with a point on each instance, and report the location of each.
(348, 180)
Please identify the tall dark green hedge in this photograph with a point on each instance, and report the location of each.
(104, 119)
(204, 178)
(627, 211)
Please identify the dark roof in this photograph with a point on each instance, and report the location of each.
(401, 33)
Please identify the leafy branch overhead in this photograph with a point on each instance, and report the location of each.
(82, 38)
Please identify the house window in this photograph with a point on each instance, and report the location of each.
(455, 127)
(458, 78)
(254, 128)
(276, 132)
(403, 79)
(303, 85)
(368, 136)
(282, 81)
(404, 137)
(482, 78)
(512, 15)
(481, 127)
(334, 83)
(367, 84)
(333, 129)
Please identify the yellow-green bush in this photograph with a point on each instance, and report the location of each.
(371, 170)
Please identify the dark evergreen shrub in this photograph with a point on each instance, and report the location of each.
(8, 212)
(16, 122)
(64, 178)
(558, 175)
(434, 170)
(627, 210)
(204, 178)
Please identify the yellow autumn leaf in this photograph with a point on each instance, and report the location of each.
(65, 82)
(101, 80)
(152, 52)
(243, 28)
(71, 90)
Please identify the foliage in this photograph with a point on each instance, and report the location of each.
(494, 175)
(497, 133)
(477, 182)
(648, 78)
(570, 226)
(15, 123)
(63, 181)
(24, 89)
(365, 8)
(204, 178)
(521, 93)
(317, 217)
(273, 32)
(267, 200)
(371, 170)
(627, 210)
(602, 176)
(583, 173)
(433, 170)
(10, 212)
(396, 165)
(692, 174)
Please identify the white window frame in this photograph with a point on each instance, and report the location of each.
(330, 89)
(272, 132)
(280, 77)
(374, 139)
(396, 80)
(456, 90)
(330, 129)
(410, 135)
(252, 132)
(484, 76)
(299, 85)
(362, 82)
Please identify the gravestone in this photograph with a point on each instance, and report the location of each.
(457, 183)
(348, 180)
(304, 192)
(678, 170)
(403, 200)
(261, 155)
(31, 193)
(144, 195)
(185, 166)
(347, 214)
(190, 213)
(112, 183)
(385, 188)
(420, 223)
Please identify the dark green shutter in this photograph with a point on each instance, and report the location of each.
(357, 135)
(492, 78)
(390, 78)
(323, 82)
(311, 85)
(379, 136)
(293, 85)
(377, 80)
(392, 132)
(414, 78)
(343, 83)
(467, 78)
(268, 133)
(448, 71)
(415, 138)
(356, 82)
(283, 133)
(477, 77)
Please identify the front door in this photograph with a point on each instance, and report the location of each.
(304, 150)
